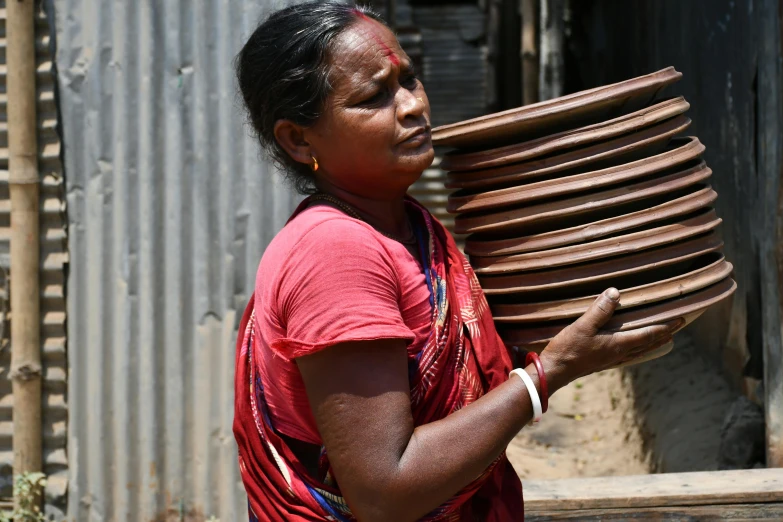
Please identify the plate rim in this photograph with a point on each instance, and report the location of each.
(671, 233)
(634, 297)
(643, 118)
(699, 199)
(444, 135)
(688, 151)
(646, 319)
(620, 195)
(700, 246)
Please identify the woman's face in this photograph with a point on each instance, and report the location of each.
(373, 138)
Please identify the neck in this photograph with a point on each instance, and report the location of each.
(386, 214)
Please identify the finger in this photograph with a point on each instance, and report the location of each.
(641, 350)
(600, 311)
(636, 354)
(640, 337)
(675, 325)
(653, 353)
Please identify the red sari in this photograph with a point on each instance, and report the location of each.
(277, 484)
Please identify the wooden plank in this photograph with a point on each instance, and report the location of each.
(664, 490)
(773, 511)
(770, 233)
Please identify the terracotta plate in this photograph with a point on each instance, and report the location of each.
(550, 116)
(631, 147)
(477, 245)
(631, 297)
(569, 139)
(616, 267)
(687, 307)
(470, 201)
(518, 218)
(604, 248)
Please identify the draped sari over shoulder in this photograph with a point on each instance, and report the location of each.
(442, 381)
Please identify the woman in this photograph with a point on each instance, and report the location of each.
(371, 383)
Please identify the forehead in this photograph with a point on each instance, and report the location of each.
(364, 50)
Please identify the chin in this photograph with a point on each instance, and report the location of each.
(418, 160)
(412, 167)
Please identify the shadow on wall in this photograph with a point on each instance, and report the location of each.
(689, 417)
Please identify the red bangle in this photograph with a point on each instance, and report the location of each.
(533, 357)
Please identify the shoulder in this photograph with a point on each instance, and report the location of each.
(323, 242)
(322, 230)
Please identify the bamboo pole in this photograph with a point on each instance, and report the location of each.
(25, 233)
(529, 52)
(552, 42)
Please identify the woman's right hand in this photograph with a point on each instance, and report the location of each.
(584, 347)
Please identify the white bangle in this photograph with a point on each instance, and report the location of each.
(531, 390)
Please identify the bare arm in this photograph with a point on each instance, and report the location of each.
(387, 470)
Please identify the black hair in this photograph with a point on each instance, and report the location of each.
(283, 73)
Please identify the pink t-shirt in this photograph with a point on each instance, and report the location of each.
(327, 278)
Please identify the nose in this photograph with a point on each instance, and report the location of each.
(410, 104)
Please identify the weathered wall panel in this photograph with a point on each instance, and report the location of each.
(457, 75)
(719, 48)
(454, 60)
(170, 207)
(731, 55)
(54, 258)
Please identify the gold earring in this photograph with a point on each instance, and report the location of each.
(314, 166)
(421, 100)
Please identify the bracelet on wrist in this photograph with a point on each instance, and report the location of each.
(531, 391)
(532, 357)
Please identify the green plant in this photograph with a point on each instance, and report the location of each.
(28, 492)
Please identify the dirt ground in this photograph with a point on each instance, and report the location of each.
(587, 432)
(661, 416)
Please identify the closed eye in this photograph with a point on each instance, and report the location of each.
(410, 82)
(376, 99)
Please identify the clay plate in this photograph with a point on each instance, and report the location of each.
(470, 201)
(550, 116)
(631, 147)
(569, 139)
(475, 245)
(687, 307)
(514, 219)
(631, 297)
(613, 268)
(604, 248)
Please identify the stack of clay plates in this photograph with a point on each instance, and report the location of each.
(565, 198)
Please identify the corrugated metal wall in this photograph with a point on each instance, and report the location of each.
(455, 64)
(169, 209)
(455, 70)
(54, 258)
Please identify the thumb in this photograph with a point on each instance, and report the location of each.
(599, 313)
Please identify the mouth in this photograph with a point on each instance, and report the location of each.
(417, 136)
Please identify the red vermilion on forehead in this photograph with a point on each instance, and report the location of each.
(372, 28)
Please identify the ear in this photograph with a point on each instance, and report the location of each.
(290, 136)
